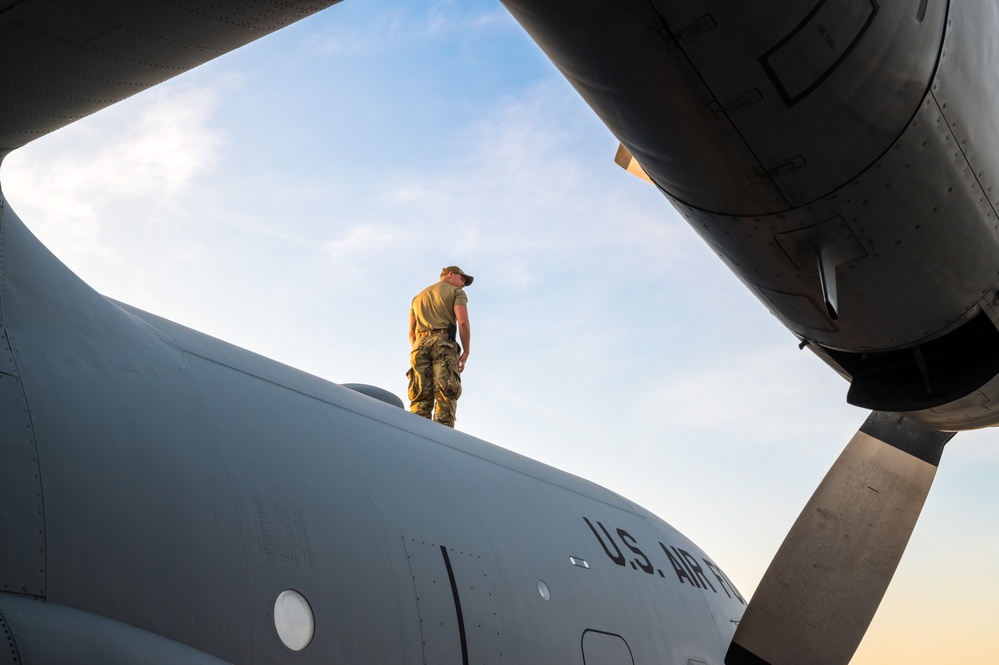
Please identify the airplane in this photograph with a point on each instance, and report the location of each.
(299, 535)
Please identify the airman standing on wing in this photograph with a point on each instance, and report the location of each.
(437, 313)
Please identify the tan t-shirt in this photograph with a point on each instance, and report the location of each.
(433, 307)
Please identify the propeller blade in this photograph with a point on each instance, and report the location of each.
(821, 591)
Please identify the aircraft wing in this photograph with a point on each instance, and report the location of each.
(62, 61)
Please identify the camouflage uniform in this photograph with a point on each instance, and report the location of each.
(434, 374)
(434, 377)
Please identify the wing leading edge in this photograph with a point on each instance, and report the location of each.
(62, 61)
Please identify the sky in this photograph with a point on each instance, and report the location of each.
(293, 196)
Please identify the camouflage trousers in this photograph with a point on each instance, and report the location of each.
(434, 380)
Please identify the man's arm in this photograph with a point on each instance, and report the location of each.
(412, 328)
(464, 333)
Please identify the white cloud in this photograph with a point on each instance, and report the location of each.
(150, 145)
(115, 175)
(360, 241)
(787, 401)
(385, 30)
(519, 180)
(341, 40)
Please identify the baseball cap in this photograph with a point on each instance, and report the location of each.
(459, 271)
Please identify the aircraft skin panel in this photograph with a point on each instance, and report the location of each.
(22, 517)
(832, 156)
(875, 266)
(149, 477)
(193, 343)
(314, 482)
(798, 88)
(650, 68)
(64, 60)
(37, 633)
(626, 583)
(142, 459)
(216, 479)
(963, 67)
(455, 597)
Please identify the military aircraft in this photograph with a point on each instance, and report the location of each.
(167, 497)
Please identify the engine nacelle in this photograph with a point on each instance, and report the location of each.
(857, 202)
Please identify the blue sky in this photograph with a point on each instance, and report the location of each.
(293, 196)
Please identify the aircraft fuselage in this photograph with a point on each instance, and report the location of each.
(155, 478)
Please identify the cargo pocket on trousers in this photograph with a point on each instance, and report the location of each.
(452, 385)
(414, 384)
